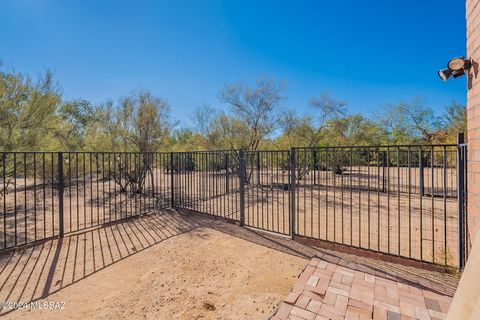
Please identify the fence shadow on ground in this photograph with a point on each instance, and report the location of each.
(439, 282)
(36, 272)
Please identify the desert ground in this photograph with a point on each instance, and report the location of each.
(173, 264)
(161, 266)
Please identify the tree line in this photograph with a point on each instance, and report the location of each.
(34, 116)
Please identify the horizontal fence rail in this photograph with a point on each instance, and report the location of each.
(407, 201)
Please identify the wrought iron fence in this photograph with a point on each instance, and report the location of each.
(207, 182)
(267, 190)
(408, 201)
(46, 194)
(399, 200)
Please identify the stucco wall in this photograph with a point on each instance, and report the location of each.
(473, 111)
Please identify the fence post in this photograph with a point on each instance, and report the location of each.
(242, 169)
(172, 184)
(460, 198)
(60, 193)
(293, 180)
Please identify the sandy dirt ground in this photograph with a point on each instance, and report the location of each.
(160, 266)
(423, 228)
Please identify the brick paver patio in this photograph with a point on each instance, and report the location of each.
(334, 288)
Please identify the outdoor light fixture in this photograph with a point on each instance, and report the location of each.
(455, 67)
(444, 74)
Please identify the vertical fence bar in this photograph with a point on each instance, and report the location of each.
(242, 173)
(60, 193)
(409, 203)
(422, 175)
(4, 196)
(388, 199)
(15, 193)
(460, 194)
(34, 196)
(378, 199)
(465, 201)
(444, 194)
(432, 168)
(172, 184)
(292, 182)
(384, 159)
(25, 196)
(227, 185)
(398, 203)
(420, 166)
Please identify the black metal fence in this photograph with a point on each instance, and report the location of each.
(399, 200)
(407, 201)
(47, 194)
(267, 190)
(207, 182)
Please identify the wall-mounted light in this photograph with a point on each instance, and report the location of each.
(455, 67)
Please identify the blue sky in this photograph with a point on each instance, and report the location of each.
(365, 52)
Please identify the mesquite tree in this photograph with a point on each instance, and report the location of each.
(254, 111)
(310, 130)
(139, 123)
